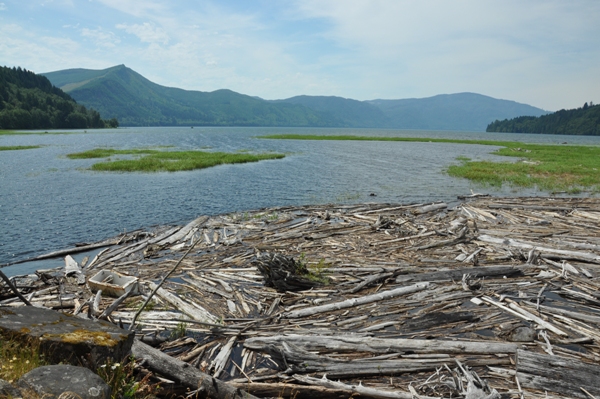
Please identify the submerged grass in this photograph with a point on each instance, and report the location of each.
(570, 168)
(149, 160)
(18, 147)
(25, 132)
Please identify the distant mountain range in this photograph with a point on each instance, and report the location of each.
(122, 93)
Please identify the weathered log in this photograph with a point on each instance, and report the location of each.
(456, 274)
(195, 311)
(293, 359)
(359, 389)
(557, 374)
(183, 231)
(563, 254)
(430, 208)
(181, 372)
(287, 390)
(13, 288)
(325, 344)
(380, 296)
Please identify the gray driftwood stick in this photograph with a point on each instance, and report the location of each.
(325, 344)
(183, 373)
(380, 296)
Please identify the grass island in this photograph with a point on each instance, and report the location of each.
(151, 160)
(549, 167)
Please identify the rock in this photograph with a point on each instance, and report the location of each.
(519, 332)
(67, 339)
(7, 390)
(522, 334)
(65, 381)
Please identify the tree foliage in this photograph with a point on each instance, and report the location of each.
(30, 101)
(580, 121)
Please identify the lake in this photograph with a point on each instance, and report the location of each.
(49, 202)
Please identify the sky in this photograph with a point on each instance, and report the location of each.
(545, 53)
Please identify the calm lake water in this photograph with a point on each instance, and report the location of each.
(49, 202)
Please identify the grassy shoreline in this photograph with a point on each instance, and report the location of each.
(570, 168)
(150, 160)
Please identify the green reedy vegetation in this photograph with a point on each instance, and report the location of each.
(18, 147)
(149, 160)
(548, 167)
(580, 121)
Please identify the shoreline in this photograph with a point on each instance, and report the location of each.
(415, 279)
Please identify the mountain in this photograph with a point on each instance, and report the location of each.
(347, 112)
(124, 94)
(30, 101)
(579, 121)
(461, 111)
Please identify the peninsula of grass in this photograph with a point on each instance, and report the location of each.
(570, 168)
(18, 147)
(150, 160)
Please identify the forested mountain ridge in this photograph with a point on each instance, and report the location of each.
(123, 93)
(30, 101)
(136, 101)
(579, 121)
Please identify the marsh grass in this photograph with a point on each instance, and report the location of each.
(18, 147)
(570, 168)
(18, 357)
(120, 376)
(313, 271)
(150, 160)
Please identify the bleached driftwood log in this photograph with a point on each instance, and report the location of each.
(325, 344)
(196, 312)
(380, 296)
(181, 372)
(359, 389)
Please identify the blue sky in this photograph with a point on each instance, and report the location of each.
(541, 52)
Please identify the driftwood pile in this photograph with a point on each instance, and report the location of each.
(496, 297)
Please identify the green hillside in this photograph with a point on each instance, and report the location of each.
(121, 93)
(30, 101)
(579, 121)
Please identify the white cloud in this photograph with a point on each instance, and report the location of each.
(3, 7)
(543, 52)
(146, 32)
(137, 8)
(101, 37)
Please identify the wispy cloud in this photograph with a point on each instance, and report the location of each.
(542, 52)
(101, 37)
(146, 32)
